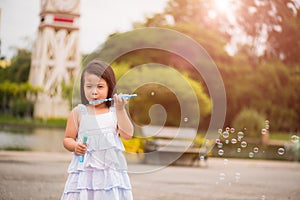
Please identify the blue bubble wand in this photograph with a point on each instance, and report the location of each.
(123, 96)
(81, 157)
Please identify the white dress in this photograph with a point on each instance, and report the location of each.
(103, 172)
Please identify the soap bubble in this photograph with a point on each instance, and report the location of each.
(225, 134)
(267, 126)
(244, 144)
(237, 177)
(263, 131)
(185, 119)
(238, 150)
(233, 141)
(240, 135)
(232, 130)
(255, 149)
(294, 139)
(202, 158)
(152, 93)
(225, 162)
(220, 145)
(251, 154)
(222, 176)
(281, 151)
(221, 152)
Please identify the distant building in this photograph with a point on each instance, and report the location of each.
(56, 57)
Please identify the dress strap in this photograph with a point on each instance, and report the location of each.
(112, 109)
(83, 109)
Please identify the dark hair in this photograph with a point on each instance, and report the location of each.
(103, 70)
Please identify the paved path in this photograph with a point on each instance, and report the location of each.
(32, 175)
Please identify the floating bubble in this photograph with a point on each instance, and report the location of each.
(222, 176)
(152, 93)
(227, 129)
(240, 134)
(244, 144)
(267, 126)
(251, 154)
(185, 119)
(221, 152)
(237, 177)
(263, 131)
(238, 150)
(233, 141)
(218, 141)
(280, 151)
(207, 141)
(220, 131)
(226, 141)
(294, 139)
(232, 130)
(255, 149)
(225, 134)
(220, 145)
(202, 158)
(267, 122)
(225, 162)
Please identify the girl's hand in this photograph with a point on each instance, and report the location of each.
(80, 148)
(119, 102)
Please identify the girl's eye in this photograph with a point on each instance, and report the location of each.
(88, 86)
(100, 86)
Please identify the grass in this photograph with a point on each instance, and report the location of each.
(281, 136)
(10, 120)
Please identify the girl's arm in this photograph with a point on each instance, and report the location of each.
(125, 126)
(71, 134)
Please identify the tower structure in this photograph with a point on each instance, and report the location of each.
(56, 58)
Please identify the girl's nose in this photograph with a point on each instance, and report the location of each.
(94, 91)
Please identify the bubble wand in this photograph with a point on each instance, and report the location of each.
(81, 157)
(123, 96)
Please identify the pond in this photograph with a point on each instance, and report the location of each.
(31, 139)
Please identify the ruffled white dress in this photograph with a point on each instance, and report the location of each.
(103, 172)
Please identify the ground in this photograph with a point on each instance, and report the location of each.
(38, 175)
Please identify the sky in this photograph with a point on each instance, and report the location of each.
(99, 18)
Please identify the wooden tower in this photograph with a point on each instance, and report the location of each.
(56, 58)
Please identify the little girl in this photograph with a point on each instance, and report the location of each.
(98, 169)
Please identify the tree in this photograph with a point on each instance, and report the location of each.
(176, 94)
(18, 71)
(277, 22)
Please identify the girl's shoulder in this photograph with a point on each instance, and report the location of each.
(80, 109)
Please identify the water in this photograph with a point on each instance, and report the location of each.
(32, 139)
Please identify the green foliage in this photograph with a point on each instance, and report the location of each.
(22, 108)
(153, 88)
(271, 88)
(18, 71)
(17, 98)
(251, 120)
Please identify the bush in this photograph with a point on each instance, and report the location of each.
(22, 108)
(250, 120)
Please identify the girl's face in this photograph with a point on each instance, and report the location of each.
(95, 88)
